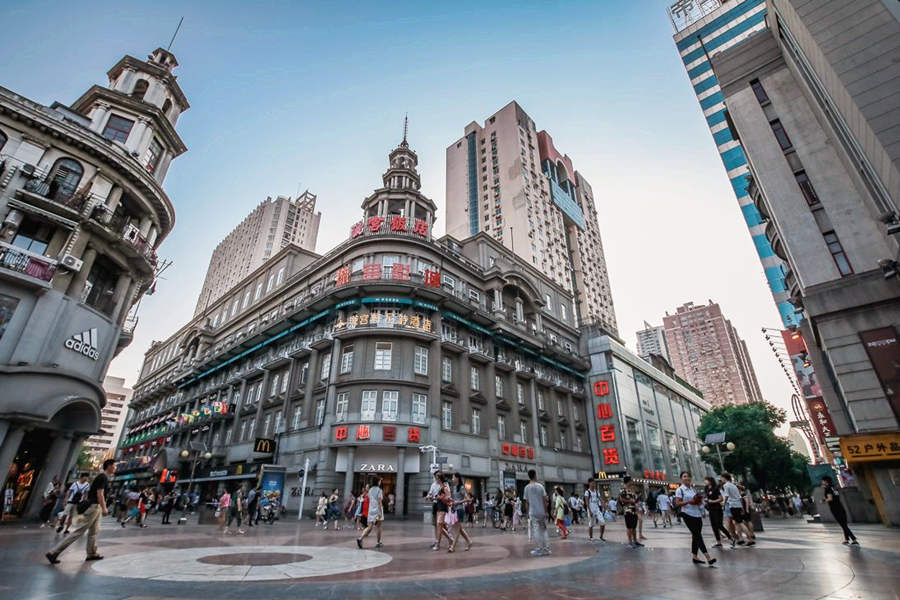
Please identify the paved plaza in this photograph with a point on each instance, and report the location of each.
(793, 560)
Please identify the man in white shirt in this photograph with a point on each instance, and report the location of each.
(376, 513)
(594, 503)
(733, 501)
(664, 503)
(77, 492)
(536, 496)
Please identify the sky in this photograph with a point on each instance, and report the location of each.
(287, 96)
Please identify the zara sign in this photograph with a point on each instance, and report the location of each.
(376, 468)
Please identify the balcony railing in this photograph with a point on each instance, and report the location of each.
(22, 261)
(51, 189)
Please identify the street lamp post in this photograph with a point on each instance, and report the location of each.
(185, 454)
(729, 449)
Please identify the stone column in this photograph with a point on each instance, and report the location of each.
(311, 373)
(286, 406)
(262, 401)
(434, 369)
(76, 287)
(122, 297)
(464, 386)
(399, 494)
(56, 458)
(10, 445)
(237, 408)
(532, 391)
(348, 476)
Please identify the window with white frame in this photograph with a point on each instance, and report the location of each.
(474, 378)
(326, 366)
(548, 303)
(251, 428)
(368, 405)
(578, 443)
(259, 389)
(446, 369)
(476, 421)
(448, 332)
(501, 427)
(520, 394)
(229, 433)
(523, 430)
(271, 283)
(342, 401)
(540, 400)
(298, 414)
(562, 312)
(258, 291)
(304, 371)
(347, 359)
(273, 389)
(420, 360)
(246, 299)
(382, 356)
(543, 435)
(448, 282)
(320, 411)
(498, 386)
(279, 422)
(285, 379)
(560, 408)
(280, 279)
(235, 306)
(389, 405)
(267, 423)
(447, 415)
(419, 408)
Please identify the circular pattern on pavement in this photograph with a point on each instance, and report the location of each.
(241, 563)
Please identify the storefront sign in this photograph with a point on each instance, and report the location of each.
(869, 448)
(85, 343)
(340, 433)
(821, 418)
(219, 473)
(362, 432)
(806, 375)
(375, 319)
(389, 433)
(884, 353)
(601, 388)
(413, 434)
(376, 468)
(658, 475)
(517, 450)
(264, 446)
(606, 430)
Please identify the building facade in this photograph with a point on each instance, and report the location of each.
(357, 358)
(702, 30)
(643, 420)
(817, 125)
(708, 352)
(272, 225)
(507, 179)
(652, 340)
(103, 445)
(83, 211)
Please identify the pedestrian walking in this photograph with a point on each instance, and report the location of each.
(89, 511)
(376, 514)
(628, 504)
(334, 508)
(653, 508)
(664, 504)
(236, 512)
(252, 506)
(536, 498)
(689, 501)
(168, 504)
(223, 508)
(457, 513)
(517, 513)
(735, 506)
(715, 503)
(798, 504)
(74, 495)
(321, 509)
(439, 492)
(833, 499)
(747, 504)
(561, 509)
(594, 503)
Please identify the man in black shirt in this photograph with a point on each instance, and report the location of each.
(837, 509)
(89, 520)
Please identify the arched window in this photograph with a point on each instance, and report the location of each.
(3, 139)
(140, 88)
(64, 178)
(166, 106)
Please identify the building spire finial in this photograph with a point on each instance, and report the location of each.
(405, 129)
(172, 41)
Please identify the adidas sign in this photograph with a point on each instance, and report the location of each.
(85, 343)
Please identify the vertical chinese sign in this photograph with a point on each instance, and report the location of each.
(607, 435)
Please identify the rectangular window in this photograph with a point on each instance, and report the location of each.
(501, 427)
(274, 387)
(251, 428)
(234, 307)
(342, 402)
(498, 386)
(320, 411)
(579, 445)
(419, 408)
(117, 128)
(420, 360)
(523, 430)
(837, 253)
(382, 356)
(781, 135)
(562, 312)
(279, 425)
(258, 291)
(759, 91)
(474, 378)
(229, 434)
(389, 404)
(446, 369)
(806, 187)
(447, 415)
(520, 394)
(303, 372)
(559, 408)
(153, 156)
(368, 405)
(544, 435)
(540, 400)
(298, 414)
(246, 299)
(476, 421)
(280, 279)
(243, 431)
(285, 378)
(271, 283)
(563, 439)
(347, 359)
(326, 366)
(635, 442)
(266, 424)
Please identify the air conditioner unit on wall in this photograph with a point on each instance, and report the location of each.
(131, 233)
(71, 263)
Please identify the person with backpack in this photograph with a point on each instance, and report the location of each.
(561, 509)
(75, 494)
(89, 510)
(594, 503)
(628, 505)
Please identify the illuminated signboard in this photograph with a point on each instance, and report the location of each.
(517, 450)
(375, 319)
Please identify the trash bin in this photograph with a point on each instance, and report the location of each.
(756, 519)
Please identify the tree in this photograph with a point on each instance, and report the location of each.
(763, 459)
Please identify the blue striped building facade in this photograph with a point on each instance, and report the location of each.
(697, 37)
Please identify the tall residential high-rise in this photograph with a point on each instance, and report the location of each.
(814, 100)
(706, 350)
(652, 340)
(270, 227)
(508, 180)
(102, 445)
(702, 30)
(82, 212)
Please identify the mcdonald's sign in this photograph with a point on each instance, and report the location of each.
(264, 446)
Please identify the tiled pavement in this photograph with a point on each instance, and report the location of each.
(793, 560)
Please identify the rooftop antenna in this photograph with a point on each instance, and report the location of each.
(172, 41)
(405, 128)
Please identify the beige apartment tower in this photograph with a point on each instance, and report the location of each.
(707, 351)
(270, 227)
(102, 445)
(507, 179)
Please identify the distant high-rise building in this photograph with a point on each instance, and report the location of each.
(508, 180)
(270, 227)
(706, 350)
(702, 30)
(652, 340)
(103, 444)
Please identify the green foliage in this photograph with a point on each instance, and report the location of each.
(761, 458)
(84, 462)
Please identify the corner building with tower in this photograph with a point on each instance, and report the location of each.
(356, 358)
(82, 212)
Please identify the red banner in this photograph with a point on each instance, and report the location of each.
(806, 376)
(820, 419)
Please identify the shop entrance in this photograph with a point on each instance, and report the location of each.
(23, 473)
(388, 487)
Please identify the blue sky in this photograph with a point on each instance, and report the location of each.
(295, 95)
